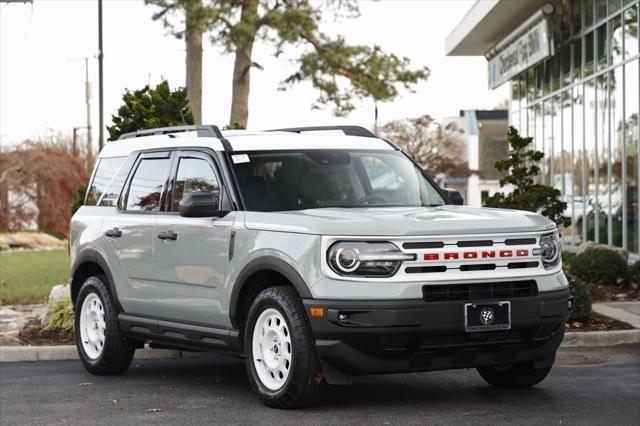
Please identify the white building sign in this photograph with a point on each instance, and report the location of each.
(528, 49)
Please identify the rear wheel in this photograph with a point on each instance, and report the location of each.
(102, 347)
(514, 376)
(281, 360)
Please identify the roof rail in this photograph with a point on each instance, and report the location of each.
(211, 131)
(348, 130)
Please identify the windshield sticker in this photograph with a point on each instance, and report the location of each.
(240, 158)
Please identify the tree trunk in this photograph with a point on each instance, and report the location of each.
(242, 68)
(193, 39)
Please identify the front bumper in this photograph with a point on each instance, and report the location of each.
(414, 335)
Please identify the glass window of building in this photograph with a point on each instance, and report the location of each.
(556, 143)
(531, 85)
(601, 160)
(615, 39)
(566, 156)
(587, 7)
(631, 112)
(614, 5)
(577, 60)
(565, 59)
(547, 77)
(579, 172)
(588, 54)
(602, 46)
(539, 80)
(590, 116)
(523, 91)
(547, 143)
(631, 31)
(576, 16)
(617, 154)
(601, 9)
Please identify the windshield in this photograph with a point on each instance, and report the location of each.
(297, 180)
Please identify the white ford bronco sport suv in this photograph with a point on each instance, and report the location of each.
(317, 253)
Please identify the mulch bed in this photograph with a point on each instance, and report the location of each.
(613, 293)
(35, 335)
(597, 323)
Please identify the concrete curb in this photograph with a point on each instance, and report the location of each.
(590, 339)
(60, 353)
(617, 313)
(69, 352)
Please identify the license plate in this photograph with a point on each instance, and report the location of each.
(487, 316)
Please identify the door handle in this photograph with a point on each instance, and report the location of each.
(167, 235)
(113, 233)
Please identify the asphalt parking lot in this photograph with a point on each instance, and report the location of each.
(588, 386)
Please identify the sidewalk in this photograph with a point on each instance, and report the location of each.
(628, 312)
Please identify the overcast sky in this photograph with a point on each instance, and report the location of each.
(42, 76)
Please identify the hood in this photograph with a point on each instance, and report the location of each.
(396, 221)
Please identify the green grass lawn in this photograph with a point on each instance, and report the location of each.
(28, 276)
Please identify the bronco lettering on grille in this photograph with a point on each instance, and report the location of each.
(484, 254)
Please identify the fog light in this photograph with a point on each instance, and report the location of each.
(343, 318)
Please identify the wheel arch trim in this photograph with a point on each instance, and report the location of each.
(265, 263)
(93, 256)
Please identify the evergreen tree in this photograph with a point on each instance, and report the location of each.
(521, 170)
(148, 108)
(338, 70)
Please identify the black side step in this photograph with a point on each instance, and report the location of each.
(178, 335)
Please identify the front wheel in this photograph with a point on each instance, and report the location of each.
(101, 346)
(281, 360)
(514, 376)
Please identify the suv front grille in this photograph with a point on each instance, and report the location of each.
(480, 291)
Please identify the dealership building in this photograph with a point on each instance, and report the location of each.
(573, 71)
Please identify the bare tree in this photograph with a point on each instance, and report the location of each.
(437, 148)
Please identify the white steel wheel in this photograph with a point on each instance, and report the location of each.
(92, 326)
(272, 351)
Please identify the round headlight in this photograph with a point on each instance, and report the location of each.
(366, 258)
(550, 250)
(347, 259)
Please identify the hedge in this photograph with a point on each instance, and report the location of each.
(599, 266)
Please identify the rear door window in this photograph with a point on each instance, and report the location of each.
(147, 185)
(107, 182)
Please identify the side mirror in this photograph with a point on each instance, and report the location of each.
(454, 196)
(200, 204)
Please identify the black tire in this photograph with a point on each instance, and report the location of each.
(117, 353)
(514, 376)
(304, 386)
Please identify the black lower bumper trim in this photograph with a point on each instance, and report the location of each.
(364, 337)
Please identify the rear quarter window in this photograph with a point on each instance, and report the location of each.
(107, 182)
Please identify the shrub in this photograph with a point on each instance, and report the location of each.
(521, 169)
(634, 272)
(567, 259)
(581, 300)
(599, 266)
(62, 317)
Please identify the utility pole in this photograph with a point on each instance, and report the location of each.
(74, 148)
(87, 95)
(100, 79)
